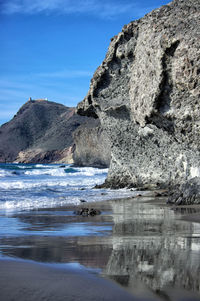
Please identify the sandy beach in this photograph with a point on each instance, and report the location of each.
(21, 280)
(135, 249)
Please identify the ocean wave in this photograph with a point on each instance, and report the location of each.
(42, 202)
(37, 186)
(70, 170)
(3, 173)
(6, 173)
(30, 203)
(90, 171)
(61, 172)
(39, 183)
(15, 166)
(51, 172)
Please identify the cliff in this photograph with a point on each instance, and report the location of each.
(92, 146)
(146, 94)
(42, 132)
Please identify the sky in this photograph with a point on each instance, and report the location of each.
(51, 48)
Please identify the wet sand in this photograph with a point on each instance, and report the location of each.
(26, 281)
(149, 253)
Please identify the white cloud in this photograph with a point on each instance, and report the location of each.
(103, 8)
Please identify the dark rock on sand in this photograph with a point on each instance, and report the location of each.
(146, 94)
(87, 212)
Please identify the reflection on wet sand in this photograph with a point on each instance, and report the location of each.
(141, 244)
(58, 236)
(152, 247)
(90, 252)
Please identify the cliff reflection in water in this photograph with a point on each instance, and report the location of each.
(151, 246)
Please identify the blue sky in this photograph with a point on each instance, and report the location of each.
(51, 48)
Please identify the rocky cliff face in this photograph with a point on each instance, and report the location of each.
(92, 146)
(147, 96)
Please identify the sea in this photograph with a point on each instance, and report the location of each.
(133, 239)
(35, 199)
(34, 186)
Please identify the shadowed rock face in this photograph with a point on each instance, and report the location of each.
(92, 146)
(146, 94)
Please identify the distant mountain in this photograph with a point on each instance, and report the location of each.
(38, 132)
(42, 132)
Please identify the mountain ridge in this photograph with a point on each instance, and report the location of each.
(43, 132)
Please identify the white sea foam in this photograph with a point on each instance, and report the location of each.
(39, 186)
(50, 202)
(66, 182)
(60, 172)
(39, 203)
(2, 173)
(5, 173)
(45, 166)
(89, 171)
(52, 172)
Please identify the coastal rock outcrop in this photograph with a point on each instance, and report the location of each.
(42, 132)
(92, 146)
(146, 94)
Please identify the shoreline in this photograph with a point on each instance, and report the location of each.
(22, 279)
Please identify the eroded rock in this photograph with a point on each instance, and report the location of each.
(146, 94)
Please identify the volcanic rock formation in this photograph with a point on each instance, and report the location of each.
(146, 94)
(42, 132)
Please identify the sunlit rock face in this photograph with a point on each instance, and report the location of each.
(151, 247)
(146, 94)
(47, 132)
(40, 132)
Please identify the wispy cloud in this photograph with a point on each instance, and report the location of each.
(103, 8)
